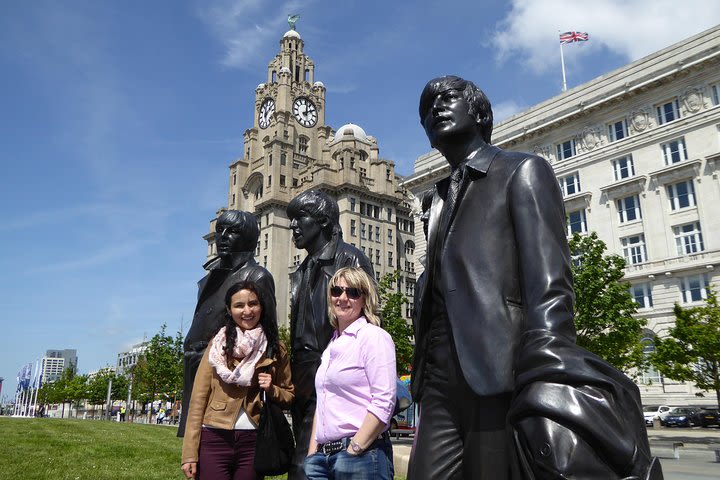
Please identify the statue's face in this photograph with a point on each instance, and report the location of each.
(228, 238)
(307, 230)
(448, 116)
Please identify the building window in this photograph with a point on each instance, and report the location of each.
(302, 145)
(715, 94)
(233, 199)
(353, 228)
(566, 149)
(389, 214)
(283, 159)
(362, 208)
(286, 134)
(694, 288)
(667, 112)
(390, 259)
(257, 249)
(623, 167)
(409, 266)
(376, 212)
(642, 294)
(265, 261)
(409, 248)
(634, 249)
(269, 180)
(362, 230)
(352, 204)
(282, 180)
(629, 209)
(410, 288)
(269, 159)
(390, 236)
(295, 182)
(681, 195)
(377, 257)
(266, 241)
(570, 184)
(296, 260)
(377, 234)
(674, 151)
(617, 130)
(651, 375)
(688, 238)
(363, 172)
(234, 179)
(577, 222)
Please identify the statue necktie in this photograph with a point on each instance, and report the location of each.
(451, 198)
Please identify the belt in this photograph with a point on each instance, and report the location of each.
(331, 448)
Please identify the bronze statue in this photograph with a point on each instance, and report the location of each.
(314, 221)
(504, 391)
(236, 235)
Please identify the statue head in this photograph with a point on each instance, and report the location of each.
(236, 231)
(468, 98)
(314, 219)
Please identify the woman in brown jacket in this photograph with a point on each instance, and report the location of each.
(225, 406)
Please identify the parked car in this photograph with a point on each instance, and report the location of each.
(681, 417)
(651, 412)
(709, 417)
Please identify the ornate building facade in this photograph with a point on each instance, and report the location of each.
(290, 149)
(636, 153)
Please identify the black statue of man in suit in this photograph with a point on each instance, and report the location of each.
(504, 391)
(236, 235)
(315, 224)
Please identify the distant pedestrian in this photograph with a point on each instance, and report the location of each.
(122, 414)
(161, 416)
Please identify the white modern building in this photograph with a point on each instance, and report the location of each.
(126, 360)
(636, 153)
(55, 362)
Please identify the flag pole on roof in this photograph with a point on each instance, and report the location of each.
(569, 37)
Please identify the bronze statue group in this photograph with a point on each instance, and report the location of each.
(503, 390)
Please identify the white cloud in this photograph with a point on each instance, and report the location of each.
(630, 28)
(245, 27)
(504, 110)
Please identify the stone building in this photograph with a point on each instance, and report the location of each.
(290, 149)
(636, 153)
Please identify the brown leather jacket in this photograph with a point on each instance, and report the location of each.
(215, 403)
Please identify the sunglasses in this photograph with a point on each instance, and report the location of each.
(351, 292)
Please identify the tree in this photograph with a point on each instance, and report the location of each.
(391, 304)
(691, 351)
(604, 307)
(159, 370)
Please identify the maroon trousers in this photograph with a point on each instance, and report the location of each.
(227, 455)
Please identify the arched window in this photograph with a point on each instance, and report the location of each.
(302, 144)
(650, 375)
(409, 247)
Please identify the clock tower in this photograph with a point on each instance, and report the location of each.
(290, 149)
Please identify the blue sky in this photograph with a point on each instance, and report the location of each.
(121, 117)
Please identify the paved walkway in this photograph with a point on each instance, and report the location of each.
(698, 443)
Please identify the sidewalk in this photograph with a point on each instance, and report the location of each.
(697, 442)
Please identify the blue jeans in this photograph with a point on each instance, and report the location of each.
(376, 463)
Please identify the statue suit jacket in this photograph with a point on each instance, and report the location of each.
(504, 266)
(336, 255)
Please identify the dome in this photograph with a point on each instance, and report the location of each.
(261, 85)
(285, 70)
(351, 130)
(291, 33)
(319, 84)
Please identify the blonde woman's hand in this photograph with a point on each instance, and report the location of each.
(265, 381)
(189, 469)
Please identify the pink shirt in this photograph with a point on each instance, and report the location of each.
(356, 376)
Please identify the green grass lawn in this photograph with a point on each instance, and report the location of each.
(54, 449)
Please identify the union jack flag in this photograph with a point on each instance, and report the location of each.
(569, 37)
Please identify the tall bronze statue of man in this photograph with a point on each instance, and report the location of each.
(315, 224)
(236, 235)
(504, 391)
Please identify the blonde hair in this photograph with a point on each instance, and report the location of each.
(357, 278)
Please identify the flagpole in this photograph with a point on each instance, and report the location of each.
(562, 63)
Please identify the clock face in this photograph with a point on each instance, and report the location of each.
(305, 112)
(266, 110)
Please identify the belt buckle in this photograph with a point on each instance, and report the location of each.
(332, 447)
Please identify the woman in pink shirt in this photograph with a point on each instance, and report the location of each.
(355, 387)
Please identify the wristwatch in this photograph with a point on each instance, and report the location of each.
(357, 449)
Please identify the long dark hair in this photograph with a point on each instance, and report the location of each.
(268, 324)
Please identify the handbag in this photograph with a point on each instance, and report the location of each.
(275, 444)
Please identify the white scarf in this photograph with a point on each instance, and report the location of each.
(249, 347)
